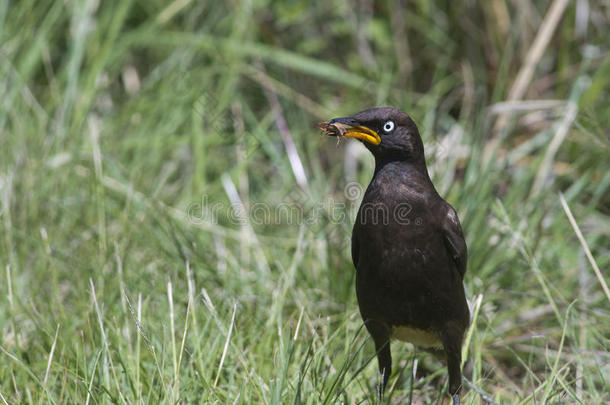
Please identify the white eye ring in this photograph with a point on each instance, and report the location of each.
(388, 126)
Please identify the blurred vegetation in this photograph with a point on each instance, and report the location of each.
(129, 130)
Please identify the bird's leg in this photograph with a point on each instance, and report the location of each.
(452, 344)
(381, 336)
(384, 357)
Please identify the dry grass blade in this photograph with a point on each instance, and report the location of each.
(46, 374)
(226, 347)
(280, 121)
(540, 44)
(584, 245)
(543, 37)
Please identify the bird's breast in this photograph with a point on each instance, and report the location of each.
(418, 337)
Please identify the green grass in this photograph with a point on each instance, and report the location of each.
(127, 130)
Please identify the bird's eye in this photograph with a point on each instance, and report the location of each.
(388, 126)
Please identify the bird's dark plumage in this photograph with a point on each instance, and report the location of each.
(407, 246)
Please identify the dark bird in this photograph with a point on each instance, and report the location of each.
(407, 246)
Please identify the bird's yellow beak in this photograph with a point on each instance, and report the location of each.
(350, 128)
(363, 133)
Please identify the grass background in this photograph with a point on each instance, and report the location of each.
(128, 129)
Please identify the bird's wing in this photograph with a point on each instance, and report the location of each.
(454, 240)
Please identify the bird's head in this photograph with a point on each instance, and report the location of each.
(387, 132)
